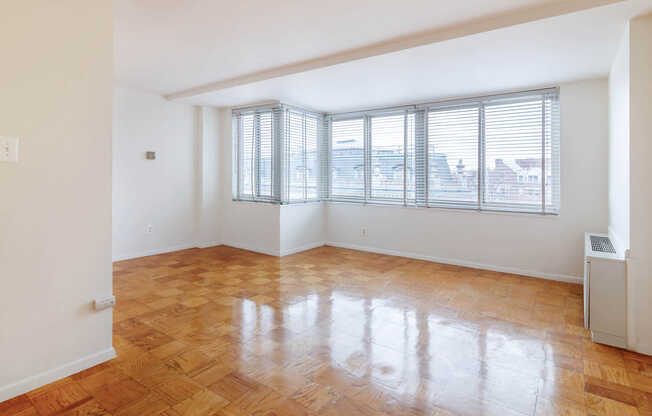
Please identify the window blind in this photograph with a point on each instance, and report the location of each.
(255, 155)
(347, 159)
(302, 156)
(513, 148)
(278, 154)
(519, 165)
(499, 153)
(391, 170)
(453, 156)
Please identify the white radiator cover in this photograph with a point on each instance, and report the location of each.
(605, 294)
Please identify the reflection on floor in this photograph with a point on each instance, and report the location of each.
(222, 331)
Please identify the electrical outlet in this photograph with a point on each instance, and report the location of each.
(150, 229)
(104, 303)
(9, 149)
(363, 232)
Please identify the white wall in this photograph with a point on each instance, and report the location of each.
(162, 192)
(639, 264)
(209, 176)
(248, 225)
(55, 204)
(546, 246)
(619, 145)
(303, 226)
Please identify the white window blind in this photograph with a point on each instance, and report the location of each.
(498, 153)
(347, 161)
(387, 157)
(392, 157)
(265, 158)
(255, 155)
(302, 156)
(278, 154)
(247, 160)
(513, 148)
(519, 163)
(488, 153)
(453, 155)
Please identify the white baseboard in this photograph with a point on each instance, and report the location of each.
(120, 257)
(286, 252)
(209, 244)
(247, 247)
(641, 348)
(295, 250)
(30, 383)
(280, 253)
(463, 263)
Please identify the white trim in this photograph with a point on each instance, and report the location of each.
(247, 247)
(295, 250)
(154, 252)
(617, 242)
(463, 263)
(641, 348)
(209, 244)
(30, 383)
(287, 252)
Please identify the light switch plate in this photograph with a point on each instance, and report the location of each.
(9, 149)
(104, 303)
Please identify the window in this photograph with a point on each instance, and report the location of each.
(302, 156)
(254, 155)
(391, 141)
(498, 153)
(276, 154)
(453, 156)
(518, 154)
(347, 159)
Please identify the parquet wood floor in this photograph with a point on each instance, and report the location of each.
(222, 331)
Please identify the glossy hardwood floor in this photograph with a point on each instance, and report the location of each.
(222, 331)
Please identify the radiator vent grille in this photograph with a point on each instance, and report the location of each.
(602, 244)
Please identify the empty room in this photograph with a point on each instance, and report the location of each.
(332, 208)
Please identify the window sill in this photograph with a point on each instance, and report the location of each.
(455, 210)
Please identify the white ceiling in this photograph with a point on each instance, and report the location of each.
(166, 46)
(171, 45)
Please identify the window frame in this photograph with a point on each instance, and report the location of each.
(416, 147)
(422, 154)
(238, 143)
(346, 198)
(280, 141)
(286, 140)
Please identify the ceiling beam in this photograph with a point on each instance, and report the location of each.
(470, 27)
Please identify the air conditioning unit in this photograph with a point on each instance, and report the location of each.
(605, 291)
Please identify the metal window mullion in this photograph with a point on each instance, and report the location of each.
(287, 162)
(305, 159)
(482, 156)
(238, 157)
(329, 157)
(285, 190)
(255, 153)
(426, 151)
(367, 158)
(277, 134)
(555, 152)
(405, 142)
(543, 155)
